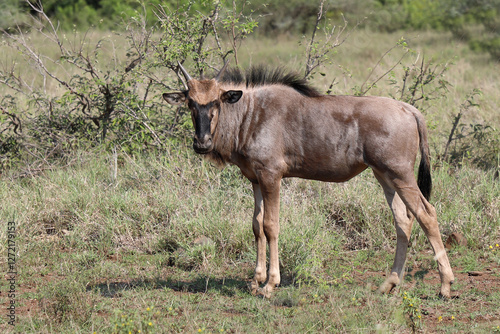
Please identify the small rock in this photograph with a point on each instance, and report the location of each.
(66, 232)
(454, 240)
(203, 241)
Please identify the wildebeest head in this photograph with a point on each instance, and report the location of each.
(204, 98)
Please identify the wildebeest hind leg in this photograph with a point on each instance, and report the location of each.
(403, 221)
(426, 216)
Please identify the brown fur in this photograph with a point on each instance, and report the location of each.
(204, 91)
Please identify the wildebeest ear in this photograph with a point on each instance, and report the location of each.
(175, 98)
(231, 96)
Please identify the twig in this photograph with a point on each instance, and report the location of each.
(15, 120)
(452, 132)
(363, 92)
(309, 62)
(316, 56)
(134, 115)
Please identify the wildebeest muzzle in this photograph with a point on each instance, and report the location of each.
(202, 142)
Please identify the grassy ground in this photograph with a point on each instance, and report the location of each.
(95, 252)
(108, 243)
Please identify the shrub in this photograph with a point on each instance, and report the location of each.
(106, 95)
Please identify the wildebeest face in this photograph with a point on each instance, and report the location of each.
(204, 98)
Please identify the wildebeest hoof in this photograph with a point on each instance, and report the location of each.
(445, 293)
(264, 293)
(444, 297)
(389, 284)
(386, 288)
(254, 288)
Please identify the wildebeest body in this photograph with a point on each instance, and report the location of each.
(288, 135)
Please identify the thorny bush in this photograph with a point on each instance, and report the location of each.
(106, 94)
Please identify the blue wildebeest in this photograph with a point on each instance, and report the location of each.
(272, 125)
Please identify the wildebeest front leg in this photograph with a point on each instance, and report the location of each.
(260, 239)
(270, 189)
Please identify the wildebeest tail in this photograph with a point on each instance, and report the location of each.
(424, 179)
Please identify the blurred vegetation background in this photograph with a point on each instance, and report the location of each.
(475, 20)
(76, 74)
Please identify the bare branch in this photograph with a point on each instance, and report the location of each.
(317, 52)
(364, 91)
(14, 119)
(309, 62)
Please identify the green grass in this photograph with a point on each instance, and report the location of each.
(95, 249)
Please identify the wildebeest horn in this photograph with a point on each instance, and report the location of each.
(186, 74)
(219, 75)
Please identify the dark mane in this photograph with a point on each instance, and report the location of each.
(261, 76)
